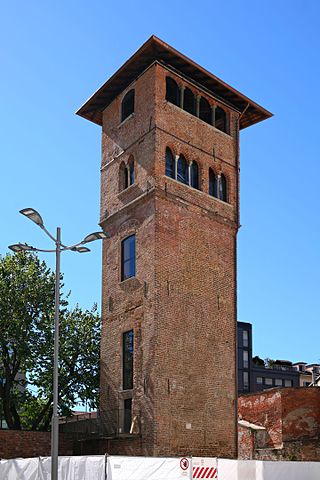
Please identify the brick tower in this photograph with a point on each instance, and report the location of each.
(170, 202)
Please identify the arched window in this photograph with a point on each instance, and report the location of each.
(172, 91)
(183, 170)
(221, 119)
(131, 170)
(170, 164)
(194, 175)
(223, 188)
(127, 106)
(213, 183)
(189, 104)
(123, 177)
(205, 110)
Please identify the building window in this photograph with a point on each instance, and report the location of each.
(127, 415)
(246, 380)
(189, 104)
(131, 170)
(213, 183)
(205, 110)
(127, 106)
(223, 188)
(245, 338)
(128, 257)
(194, 175)
(278, 382)
(126, 174)
(127, 360)
(221, 119)
(259, 380)
(288, 383)
(170, 164)
(183, 170)
(218, 186)
(245, 359)
(172, 91)
(123, 177)
(268, 381)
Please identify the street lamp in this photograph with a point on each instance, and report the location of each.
(59, 247)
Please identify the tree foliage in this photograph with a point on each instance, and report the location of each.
(258, 361)
(26, 346)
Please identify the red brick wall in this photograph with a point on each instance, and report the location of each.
(17, 444)
(246, 443)
(182, 302)
(292, 420)
(300, 413)
(264, 409)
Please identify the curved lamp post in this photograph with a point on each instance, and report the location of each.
(59, 247)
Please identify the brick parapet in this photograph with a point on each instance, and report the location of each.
(26, 444)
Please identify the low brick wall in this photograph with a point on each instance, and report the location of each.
(291, 417)
(20, 443)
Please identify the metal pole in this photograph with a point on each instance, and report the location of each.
(55, 418)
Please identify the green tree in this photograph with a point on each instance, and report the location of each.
(258, 361)
(26, 346)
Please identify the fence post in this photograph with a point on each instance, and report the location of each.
(105, 466)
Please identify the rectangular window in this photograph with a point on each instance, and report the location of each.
(259, 380)
(288, 383)
(128, 257)
(127, 360)
(278, 382)
(245, 380)
(245, 338)
(268, 381)
(127, 415)
(245, 359)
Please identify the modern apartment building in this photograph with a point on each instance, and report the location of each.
(253, 374)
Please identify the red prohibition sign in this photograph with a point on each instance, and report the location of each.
(184, 463)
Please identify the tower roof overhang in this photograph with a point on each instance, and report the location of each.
(154, 50)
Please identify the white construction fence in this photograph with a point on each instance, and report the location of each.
(99, 467)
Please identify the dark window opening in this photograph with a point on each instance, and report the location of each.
(172, 91)
(123, 177)
(189, 104)
(223, 188)
(183, 170)
(131, 170)
(213, 184)
(194, 175)
(127, 415)
(170, 164)
(205, 110)
(127, 359)
(221, 119)
(127, 106)
(128, 257)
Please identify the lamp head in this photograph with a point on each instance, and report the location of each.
(80, 249)
(33, 215)
(95, 236)
(20, 247)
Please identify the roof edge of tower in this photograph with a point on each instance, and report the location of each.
(155, 49)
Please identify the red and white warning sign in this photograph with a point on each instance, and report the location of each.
(204, 468)
(184, 463)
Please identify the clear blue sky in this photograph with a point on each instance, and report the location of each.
(54, 55)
